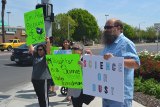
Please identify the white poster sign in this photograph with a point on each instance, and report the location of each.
(62, 51)
(104, 78)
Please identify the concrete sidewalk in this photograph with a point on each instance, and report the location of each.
(26, 97)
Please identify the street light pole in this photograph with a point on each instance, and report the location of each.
(8, 18)
(68, 27)
(106, 16)
(139, 30)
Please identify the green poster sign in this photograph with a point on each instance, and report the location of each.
(54, 48)
(65, 70)
(34, 25)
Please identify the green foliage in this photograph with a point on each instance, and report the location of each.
(138, 84)
(60, 26)
(149, 86)
(87, 26)
(151, 33)
(157, 56)
(129, 31)
(147, 76)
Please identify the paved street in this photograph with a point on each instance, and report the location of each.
(12, 75)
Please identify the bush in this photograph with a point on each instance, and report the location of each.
(150, 86)
(150, 66)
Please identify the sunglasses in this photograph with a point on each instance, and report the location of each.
(109, 27)
(75, 48)
(40, 49)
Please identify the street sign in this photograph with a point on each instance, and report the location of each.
(157, 26)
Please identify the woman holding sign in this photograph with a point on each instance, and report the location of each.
(40, 73)
(78, 98)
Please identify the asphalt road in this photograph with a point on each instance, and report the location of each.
(12, 76)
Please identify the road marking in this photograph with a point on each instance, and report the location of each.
(4, 54)
(4, 59)
(4, 66)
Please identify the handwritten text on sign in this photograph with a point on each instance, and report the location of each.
(104, 78)
(35, 28)
(65, 70)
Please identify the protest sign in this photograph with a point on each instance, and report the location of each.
(53, 49)
(65, 70)
(62, 51)
(104, 78)
(35, 27)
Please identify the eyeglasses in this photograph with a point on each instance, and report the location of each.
(75, 48)
(40, 49)
(109, 27)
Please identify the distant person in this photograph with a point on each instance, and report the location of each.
(116, 44)
(52, 91)
(40, 74)
(66, 46)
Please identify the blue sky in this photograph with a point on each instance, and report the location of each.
(133, 12)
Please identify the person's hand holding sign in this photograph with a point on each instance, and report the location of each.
(48, 45)
(88, 51)
(107, 56)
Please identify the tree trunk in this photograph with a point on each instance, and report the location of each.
(3, 30)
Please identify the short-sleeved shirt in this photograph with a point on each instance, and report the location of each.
(123, 47)
(40, 69)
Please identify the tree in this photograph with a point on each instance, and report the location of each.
(151, 33)
(60, 27)
(87, 27)
(129, 31)
(2, 14)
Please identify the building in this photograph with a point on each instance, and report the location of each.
(13, 32)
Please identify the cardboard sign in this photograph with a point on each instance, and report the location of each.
(35, 27)
(62, 51)
(104, 78)
(65, 70)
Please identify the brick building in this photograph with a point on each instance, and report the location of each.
(13, 32)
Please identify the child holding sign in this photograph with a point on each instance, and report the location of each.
(78, 98)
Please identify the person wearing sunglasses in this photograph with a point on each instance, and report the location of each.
(40, 74)
(78, 98)
(116, 44)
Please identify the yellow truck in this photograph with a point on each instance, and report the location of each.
(12, 43)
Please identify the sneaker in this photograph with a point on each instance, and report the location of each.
(52, 93)
(70, 103)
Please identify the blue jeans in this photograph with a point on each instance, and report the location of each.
(111, 103)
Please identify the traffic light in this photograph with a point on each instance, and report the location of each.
(47, 11)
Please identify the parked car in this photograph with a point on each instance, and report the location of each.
(21, 55)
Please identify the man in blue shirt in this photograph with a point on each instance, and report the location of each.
(116, 44)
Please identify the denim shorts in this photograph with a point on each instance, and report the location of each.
(111, 103)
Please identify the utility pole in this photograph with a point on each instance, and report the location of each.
(106, 16)
(8, 17)
(157, 27)
(3, 30)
